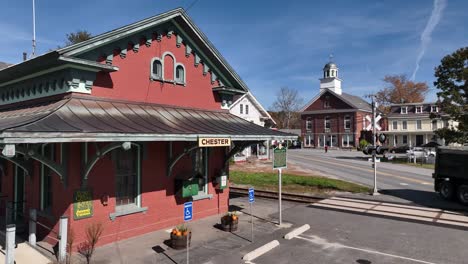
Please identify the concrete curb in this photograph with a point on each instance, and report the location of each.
(260, 251)
(297, 232)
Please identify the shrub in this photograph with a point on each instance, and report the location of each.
(93, 233)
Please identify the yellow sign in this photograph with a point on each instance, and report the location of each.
(82, 204)
(214, 142)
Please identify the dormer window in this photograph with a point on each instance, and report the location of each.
(419, 109)
(156, 69)
(404, 110)
(434, 109)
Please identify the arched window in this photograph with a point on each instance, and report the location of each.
(156, 69)
(180, 74)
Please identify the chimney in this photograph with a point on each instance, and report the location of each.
(25, 56)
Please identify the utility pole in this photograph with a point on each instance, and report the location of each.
(374, 145)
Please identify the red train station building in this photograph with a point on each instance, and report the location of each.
(122, 129)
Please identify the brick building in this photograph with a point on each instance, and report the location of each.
(111, 130)
(333, 118)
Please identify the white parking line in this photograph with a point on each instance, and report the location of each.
(320, 241)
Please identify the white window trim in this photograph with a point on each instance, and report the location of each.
(175, 74)
(420, 124)
(393, 125)
(404, 112)
(153, 76)
(344, 122)
(416, 109)
(308, 122)
(436, 109)
(402, 126)
(325, 123)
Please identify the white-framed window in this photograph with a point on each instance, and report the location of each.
(127, 168)
(418, 124)
(200, 169)
(347, 122)
(446, 123)
(180, 73)
(395, 125)
(434, 124)
(434, 109)
(404, 110)
(404, 125)
(246, 109)
(327, 123)
(156, 69)
(241, 108)
(419, 109)
(326, 104)
(309, 123)
(405, 139)
(48, 151)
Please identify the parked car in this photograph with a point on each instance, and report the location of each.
(421, 152)
(400, 149)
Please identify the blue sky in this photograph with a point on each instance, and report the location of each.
(272, 43)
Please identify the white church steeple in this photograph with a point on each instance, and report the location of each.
(330, 78)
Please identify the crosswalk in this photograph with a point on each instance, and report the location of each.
(400, 211)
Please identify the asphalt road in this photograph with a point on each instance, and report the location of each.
(400, 183)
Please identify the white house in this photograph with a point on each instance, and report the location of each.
(247, 107)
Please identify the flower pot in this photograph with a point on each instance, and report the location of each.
(227, 224)
(180, 242)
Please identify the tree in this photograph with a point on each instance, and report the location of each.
(77, 37)
(287, 105)
(400, 90)
(452, 80)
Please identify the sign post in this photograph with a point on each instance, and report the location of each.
(279, 162)
(188, 215)
(251, 201)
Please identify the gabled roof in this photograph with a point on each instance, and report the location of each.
(177, 19)
(352, 100)
(4, 65)
(80, 118)
(238, 98)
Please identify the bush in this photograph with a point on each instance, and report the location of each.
(362, 144)
(93, 233)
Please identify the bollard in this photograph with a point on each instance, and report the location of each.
(10, 244)
(32, 226)
(62, 250)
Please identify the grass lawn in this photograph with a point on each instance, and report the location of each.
(294, 183)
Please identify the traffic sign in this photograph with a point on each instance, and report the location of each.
(279, 158)
(188, 211)
(251, 195)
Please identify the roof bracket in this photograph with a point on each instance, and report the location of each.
(174, 160)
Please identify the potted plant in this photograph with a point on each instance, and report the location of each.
(179, 237)
(230, 221)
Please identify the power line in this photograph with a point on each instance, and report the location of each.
(191, 5)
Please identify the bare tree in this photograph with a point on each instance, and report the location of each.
(400, 90)
(287, 105)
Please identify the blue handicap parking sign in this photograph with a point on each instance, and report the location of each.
(251, 195)
(188, 211)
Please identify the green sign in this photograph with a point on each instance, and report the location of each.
(82, 204)
(279, 158)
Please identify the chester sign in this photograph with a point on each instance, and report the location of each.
(214, 142)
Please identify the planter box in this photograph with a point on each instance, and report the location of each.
(229, 225)
(180, 242)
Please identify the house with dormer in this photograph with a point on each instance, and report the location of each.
(334, 118)
(122, 129)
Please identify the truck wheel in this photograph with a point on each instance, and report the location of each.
(446, 190)
(463, 194)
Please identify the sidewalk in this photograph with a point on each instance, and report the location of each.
(209, 244)
(25, 254)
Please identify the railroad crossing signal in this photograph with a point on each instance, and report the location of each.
(377, 118)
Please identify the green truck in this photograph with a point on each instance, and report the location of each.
(451, 173)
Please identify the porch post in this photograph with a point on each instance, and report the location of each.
(10, 244)
(394, 140)
(426, 138)
(32, 226)
(63, 232)
(410, 143)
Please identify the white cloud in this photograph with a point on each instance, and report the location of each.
(436, 15)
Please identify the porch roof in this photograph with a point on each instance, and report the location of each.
(78, 118)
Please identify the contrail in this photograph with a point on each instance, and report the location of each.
(439, 6)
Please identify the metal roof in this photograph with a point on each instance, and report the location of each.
(81, 118)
